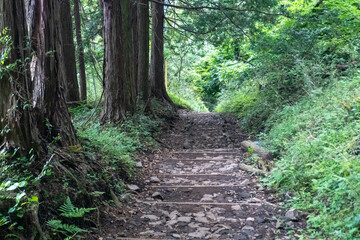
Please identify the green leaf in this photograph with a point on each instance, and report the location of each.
(250, 150)
(11, 210)
(20, 214)
(12, 187)
(23, 184)
(33, 199)
(19, 196)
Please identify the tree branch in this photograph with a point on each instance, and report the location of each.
(168, 20)
(215, 8)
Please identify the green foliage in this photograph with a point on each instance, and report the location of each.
(69, 230)
(16, 186)
(5, 42)
(318, 144)
(181, 53)
(295, 57)
(115, 142)
(70, 211)
(237, 102)
(179, 101)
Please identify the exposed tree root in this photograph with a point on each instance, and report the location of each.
(35, 220)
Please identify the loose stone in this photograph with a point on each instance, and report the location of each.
(133, 187)
(157, 195)
(292, 215)
(155, 179)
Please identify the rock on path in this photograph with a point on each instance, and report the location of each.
(197, 190)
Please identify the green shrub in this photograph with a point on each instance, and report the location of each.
(318, 143)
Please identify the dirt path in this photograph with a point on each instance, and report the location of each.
(197, 191)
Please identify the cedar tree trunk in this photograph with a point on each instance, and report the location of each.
(17, 128)
(80, 50)
(48, 95)
(67, 54)
(157, 76)
(119, 82)
(143, 49)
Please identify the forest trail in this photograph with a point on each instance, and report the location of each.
(197, 191)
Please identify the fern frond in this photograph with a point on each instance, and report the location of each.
(69, 210)
(58, 226)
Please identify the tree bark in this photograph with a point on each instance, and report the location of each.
(17, 126)
(135, 45)
(119, 84)
(129, 61)
(48, 97)
(67, 54)
(157, 76)
(80, 50)
(143, 49)
(32, 105)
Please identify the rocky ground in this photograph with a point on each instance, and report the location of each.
(195, 190)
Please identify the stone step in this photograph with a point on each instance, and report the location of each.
(216, 221)
(169, 203)
(209, 150)
(205, 159)
(198, 193)
(201, 179)
(199, 167)
(210, 154)
(197, 186)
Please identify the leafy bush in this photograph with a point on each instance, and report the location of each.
(318, 143)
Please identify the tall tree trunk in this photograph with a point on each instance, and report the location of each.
(67, 54)
(17, 126)
(80, 50)
(157, 76)
(119, 83)
(134, 39)
(143, 49)
(129, 61)
(32, 105)
(48, 96)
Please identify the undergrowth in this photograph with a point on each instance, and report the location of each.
(79, 181)
(318, 145)
(115, 143)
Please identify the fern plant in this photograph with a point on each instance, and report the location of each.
(69, 230)
(70, 211)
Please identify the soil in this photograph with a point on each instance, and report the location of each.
(194, 189)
